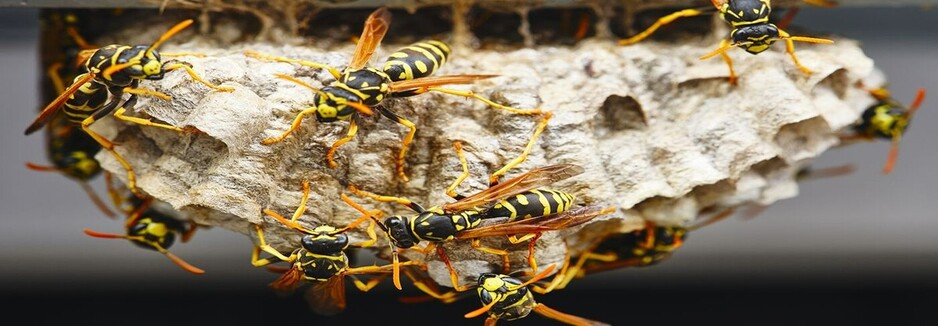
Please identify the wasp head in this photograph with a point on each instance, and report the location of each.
(155, 230)
(80, 165)
(332, 104)
(322, 241)
(399, 232)
(755, 38)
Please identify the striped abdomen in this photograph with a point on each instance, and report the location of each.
(90, 97)
(534, 203)
(417, 60)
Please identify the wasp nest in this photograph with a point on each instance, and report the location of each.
(661, 135)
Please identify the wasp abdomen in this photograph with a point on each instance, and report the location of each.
(417, 60)
(84, 102)
(530, 204)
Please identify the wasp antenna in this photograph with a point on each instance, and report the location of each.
(540, 276)
(808, 39)
(169, 33)
(41, 168)
(720, 51)
(919, 98)
(105, 235)
(480, 311)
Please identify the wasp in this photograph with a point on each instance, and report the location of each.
(886, 119)
(112, 71)
(751, 31)
(149, 228)
(507, 298)
(460, 220)
(640, 248)
(359, 89)
(321, 260)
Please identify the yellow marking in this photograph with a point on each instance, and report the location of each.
(422, 67)
(522, 199)
(511, 208)
(437, 50)
(544, 202)
(398, 55)
(425, 223)
(559, 200)
(758, 48)
(407, 73)
(426, 54)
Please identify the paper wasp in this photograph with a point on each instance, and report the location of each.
(359, 89)
(321, 260)
(112, 71)
(644, 247)
(70, 151)
(460, 220)
(752, 30)
(149, 228)
(507, 298)
(886, 119)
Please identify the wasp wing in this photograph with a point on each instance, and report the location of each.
(432, 81)
(552, 222)
(375, 27)
(49, 111)
(327, 298)
(533, 179)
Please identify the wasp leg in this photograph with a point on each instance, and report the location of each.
(140, 91)
(558, 281)
(472, 94)
(262, 245)
(493, 179)
(451, 191)
(548, 312)
(506, 260)
(405, 143)
(183, 54)
(186, 236)
(108, 145)
(119, 113)
(430, 289)
(330, 156)
(660, 22)
(453, 276)
(332, 70)
(55, 78)
(174, 64)
(96, 200)
(388, 199)
(790, 48)
(729, 61)
(293, 126)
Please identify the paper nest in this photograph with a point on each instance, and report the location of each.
(660, 134)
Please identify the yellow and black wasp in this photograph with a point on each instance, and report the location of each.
(536, 211)
(644, 247)
(321, 260)
(70, 150)
(507, 298)
(886, 119)
(112, 71)
(752, 30)
(359, 89)
(149, 228)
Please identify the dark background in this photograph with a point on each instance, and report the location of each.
(853, 250)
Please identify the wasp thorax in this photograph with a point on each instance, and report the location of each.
(399, 233)
(756, 38)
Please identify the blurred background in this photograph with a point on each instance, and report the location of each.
(858, 249)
